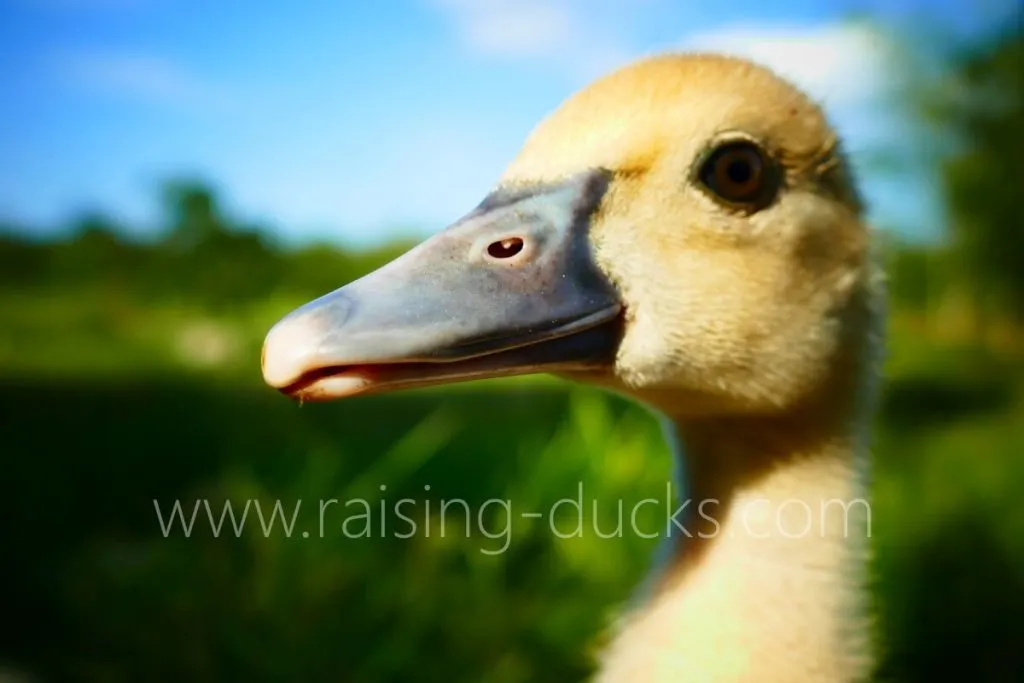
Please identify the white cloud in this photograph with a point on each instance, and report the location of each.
(838, 64)
(147, 77)
(580, 38)
(511, 28)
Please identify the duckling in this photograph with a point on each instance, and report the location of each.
(684, 231)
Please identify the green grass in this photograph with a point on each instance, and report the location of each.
(103, 413)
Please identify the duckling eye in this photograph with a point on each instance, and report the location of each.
(737, 173)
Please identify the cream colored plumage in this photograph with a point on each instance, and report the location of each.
(756, 336)
(753, 327)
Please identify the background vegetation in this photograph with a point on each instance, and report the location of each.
(129, 372)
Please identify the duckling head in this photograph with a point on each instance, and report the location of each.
(684, 230)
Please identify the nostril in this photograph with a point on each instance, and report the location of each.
(506, 248)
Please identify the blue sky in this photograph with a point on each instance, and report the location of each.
(350, 121)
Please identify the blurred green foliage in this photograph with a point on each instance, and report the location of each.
(129, 372)
(982, 105)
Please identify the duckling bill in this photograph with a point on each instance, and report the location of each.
(512, 288)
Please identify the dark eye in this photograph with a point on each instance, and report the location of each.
(739, 173)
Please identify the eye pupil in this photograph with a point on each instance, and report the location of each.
(739, 172)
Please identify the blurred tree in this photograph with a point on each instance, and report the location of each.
(980, 105)
(210, 256)
(21, 261)
(94, 250)
(910, 268)
(193, 213)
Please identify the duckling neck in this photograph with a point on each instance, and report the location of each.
(766, 583)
